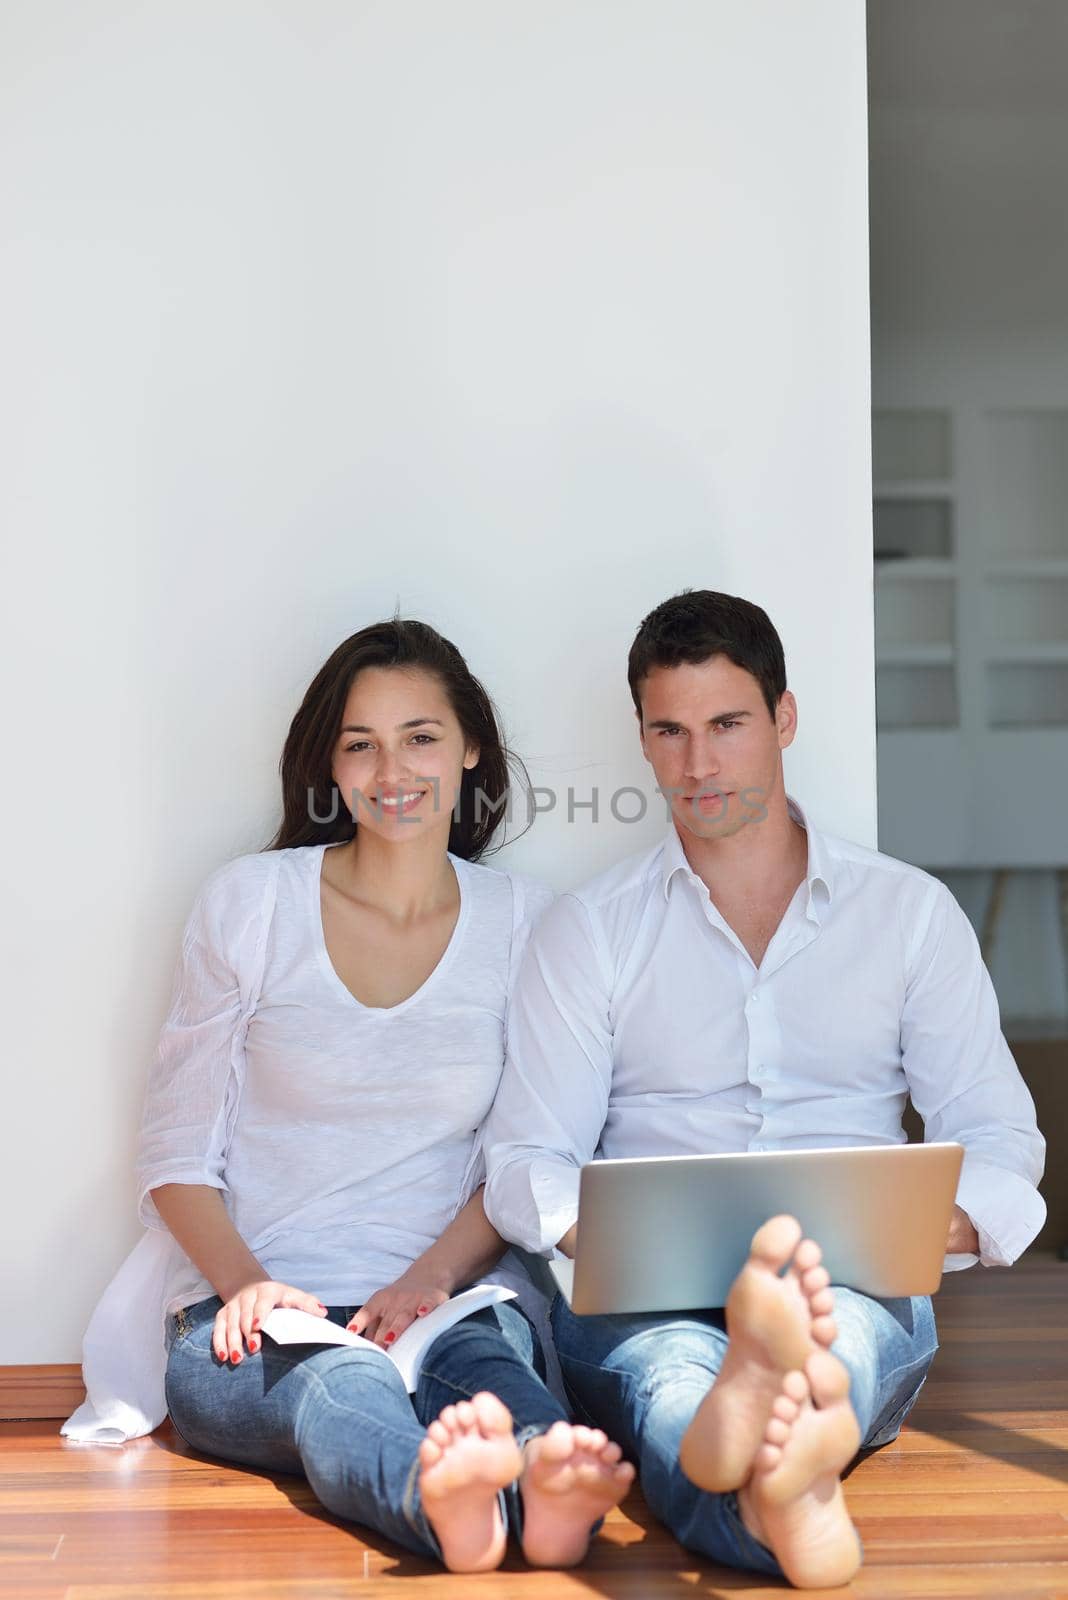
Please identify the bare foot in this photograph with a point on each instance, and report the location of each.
(572, 1477)
(794, 1503)
(773, 1324)
(469, 1455)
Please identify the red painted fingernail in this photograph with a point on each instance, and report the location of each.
(390, 1337)
(422, 1311)
(236, 1357)
(253, 1345)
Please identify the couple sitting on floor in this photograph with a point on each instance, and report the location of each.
(383, 1062)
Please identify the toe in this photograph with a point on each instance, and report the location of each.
(611, 1453)
(767, 1458)
(795, 1386)
(466, 1416)
(430, 1453)
(776, 1241)
(807, 1255)
(821, 1304)
(824, 1330)
(777, 1431)
(828, 1378)
(556, 1445)
(439, 1433)
(784, 1408)
(493, 1415)
(814, 1279)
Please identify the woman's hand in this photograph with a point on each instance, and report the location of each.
(384, 1317)
(243, 1314)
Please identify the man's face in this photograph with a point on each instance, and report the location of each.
(715, 749)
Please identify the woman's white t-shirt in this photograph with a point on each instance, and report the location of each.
(343, 1137)
(353, 1140)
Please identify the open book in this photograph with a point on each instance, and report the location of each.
(288, 1326)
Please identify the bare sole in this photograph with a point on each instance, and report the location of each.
(779, 1309)
(573, 1477)
(794, 1503)
(468, 1456)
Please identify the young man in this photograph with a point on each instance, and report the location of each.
(752, 984)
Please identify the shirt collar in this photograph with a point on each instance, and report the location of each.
(819, 873)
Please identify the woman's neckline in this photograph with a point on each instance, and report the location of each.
(331, 973)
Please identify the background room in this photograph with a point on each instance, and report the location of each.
(969, 267)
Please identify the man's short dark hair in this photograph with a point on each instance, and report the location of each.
(698, 624)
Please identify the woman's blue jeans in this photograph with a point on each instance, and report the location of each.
(341, 1416)
(642, 1378)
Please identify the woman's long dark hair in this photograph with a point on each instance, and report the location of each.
(308, 789)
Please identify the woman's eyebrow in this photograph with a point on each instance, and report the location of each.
(416, 722)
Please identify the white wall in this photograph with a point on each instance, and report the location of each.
(519, 315)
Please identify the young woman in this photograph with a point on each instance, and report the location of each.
(310, 1135)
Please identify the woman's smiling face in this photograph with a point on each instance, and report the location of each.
(400, 756)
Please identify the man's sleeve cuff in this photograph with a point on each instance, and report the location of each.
(1006, 1209)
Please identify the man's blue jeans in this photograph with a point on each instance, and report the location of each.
(341, 1415)
(642, 1378)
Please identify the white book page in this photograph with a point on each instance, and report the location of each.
(286, 1325)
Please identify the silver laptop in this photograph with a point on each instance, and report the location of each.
(670, 1233)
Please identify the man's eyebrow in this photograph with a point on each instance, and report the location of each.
(416, 722)
(724, 716)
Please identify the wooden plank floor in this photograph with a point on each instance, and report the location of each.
(972, 1499)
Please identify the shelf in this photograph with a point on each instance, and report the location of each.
(915, 695)
(1024, 651)
(915, 623)
(911, 443)
(910, 528)
(1023, 617)
(914, 569)
(1038, 567)
(917, 655)
(1028, 695)
(913, 489)
(1027, 474)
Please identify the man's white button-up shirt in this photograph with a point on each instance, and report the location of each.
(640, 1026)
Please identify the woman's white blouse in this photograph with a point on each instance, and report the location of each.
(343, 1137)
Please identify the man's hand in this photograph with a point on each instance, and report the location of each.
(569, 1242)
(384, 1317)
(963, 1237)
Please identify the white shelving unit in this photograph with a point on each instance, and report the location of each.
(1026, 614)
(915, 570)
(971, 625)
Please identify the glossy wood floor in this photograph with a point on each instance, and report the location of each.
(972, 1500)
